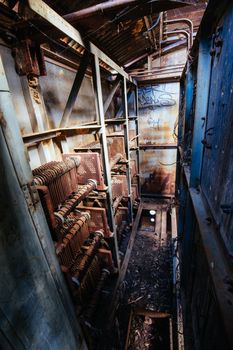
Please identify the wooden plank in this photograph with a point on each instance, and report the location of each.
(151, 313)
(128, 330)
(158, 222)
(163, 227)
(130, 246)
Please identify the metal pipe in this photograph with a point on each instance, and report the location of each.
(90, 11)
(185, 20)
(183, 32)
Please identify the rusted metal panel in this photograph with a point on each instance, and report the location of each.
(89, 168)
(55, 97)
(116, 145)
(134, 192)
(158, 113)
(119, 186)
(132, 134)
(133, 168)
(158, 171)
(158, 122)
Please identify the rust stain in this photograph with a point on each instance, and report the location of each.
(138, 27)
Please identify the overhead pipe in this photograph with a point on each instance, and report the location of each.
(184, 20)
(111, 4)
(183, 32)
(89, 11)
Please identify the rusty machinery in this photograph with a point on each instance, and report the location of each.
(72, 193)
(82, 249)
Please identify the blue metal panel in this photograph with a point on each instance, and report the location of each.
(188, 97)
(217, 174)
(203, 80)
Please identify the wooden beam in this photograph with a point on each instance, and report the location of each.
(47, 13)
(75, 89)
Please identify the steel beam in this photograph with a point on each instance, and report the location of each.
(127, 148)
(137, 133)
(201, 107)
(75, 89)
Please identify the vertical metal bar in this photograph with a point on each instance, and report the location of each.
(203, 81)
(127, 150)
(137, 140)
(103, 139)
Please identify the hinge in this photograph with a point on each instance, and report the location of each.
(31, 195)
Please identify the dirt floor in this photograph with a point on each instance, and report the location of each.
(148, 282)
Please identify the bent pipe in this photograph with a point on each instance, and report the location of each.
(184, 20)
(183, 32)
